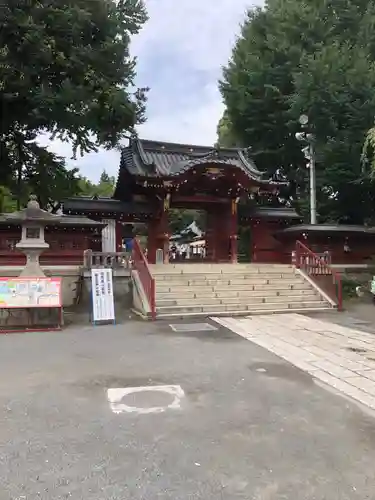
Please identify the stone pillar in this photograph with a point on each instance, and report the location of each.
(118, 239)
(109, 236)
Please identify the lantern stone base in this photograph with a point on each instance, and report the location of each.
(32, 268)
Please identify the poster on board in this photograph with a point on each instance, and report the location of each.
(30, 293)
(103, 305)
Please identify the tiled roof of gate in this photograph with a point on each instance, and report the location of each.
(103, 205)
(64, 220)
(165, 159)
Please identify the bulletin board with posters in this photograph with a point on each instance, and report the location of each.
(103, 304)
(30, 303)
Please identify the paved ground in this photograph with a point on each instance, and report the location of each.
(342, 357)
(250, 425)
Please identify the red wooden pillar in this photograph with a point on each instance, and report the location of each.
(158, 238)
(210, 236)
(221, 231)
(266, 248)
(233, 233)
(217, 237)
(151, 241)
(163, 237)
(256, 238)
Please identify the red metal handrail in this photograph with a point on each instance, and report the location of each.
(319, 270)
(140, 264)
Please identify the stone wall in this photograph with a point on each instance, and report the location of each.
(122, 288)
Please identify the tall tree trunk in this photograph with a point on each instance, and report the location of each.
(19, 184)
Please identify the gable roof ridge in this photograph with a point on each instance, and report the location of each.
(249, 164)
(139, 147)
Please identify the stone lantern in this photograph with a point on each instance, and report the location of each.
(33, 221)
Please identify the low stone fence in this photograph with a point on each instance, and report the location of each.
(113, 260)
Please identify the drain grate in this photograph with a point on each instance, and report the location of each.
(193, 327)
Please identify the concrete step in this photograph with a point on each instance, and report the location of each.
(220, 276)
(203, 268)
(254, 312)
(223, 283)
(233, 289)
(246, 301)
(232, 308)
(190, 292)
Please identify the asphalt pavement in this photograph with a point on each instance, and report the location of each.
(237, 423)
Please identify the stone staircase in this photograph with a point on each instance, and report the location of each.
(228, 289)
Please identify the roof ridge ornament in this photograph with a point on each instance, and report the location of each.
(245, 158)
(142, 153)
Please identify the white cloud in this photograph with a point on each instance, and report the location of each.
(180, 52)
(190, 125)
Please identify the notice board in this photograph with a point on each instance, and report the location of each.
(30, 292)
(103, 305)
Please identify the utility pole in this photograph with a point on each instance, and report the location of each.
(312, 183)
(309, 152)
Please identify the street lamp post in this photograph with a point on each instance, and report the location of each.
(309, 152)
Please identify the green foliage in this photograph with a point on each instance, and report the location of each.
(368, 152)
(180, 219)
(40, 172)
(224, 133)
(314, 58)
(104, 188)
(7, 204)
(65, 69)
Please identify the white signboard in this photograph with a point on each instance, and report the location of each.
(103, 306)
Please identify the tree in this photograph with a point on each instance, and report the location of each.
(307, 57)
(65, 69)
(224, 133)
(7, 204)
(49, 179)
(42, 173)
(104, 188)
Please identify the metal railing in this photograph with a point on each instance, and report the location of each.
(319, 269)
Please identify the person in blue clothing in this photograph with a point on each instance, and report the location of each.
(128, 242)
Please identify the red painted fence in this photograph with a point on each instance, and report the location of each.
(140, 264)
(318, 269)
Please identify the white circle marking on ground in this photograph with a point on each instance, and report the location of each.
(115, 397)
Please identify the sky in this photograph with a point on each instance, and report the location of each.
(180, 52)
